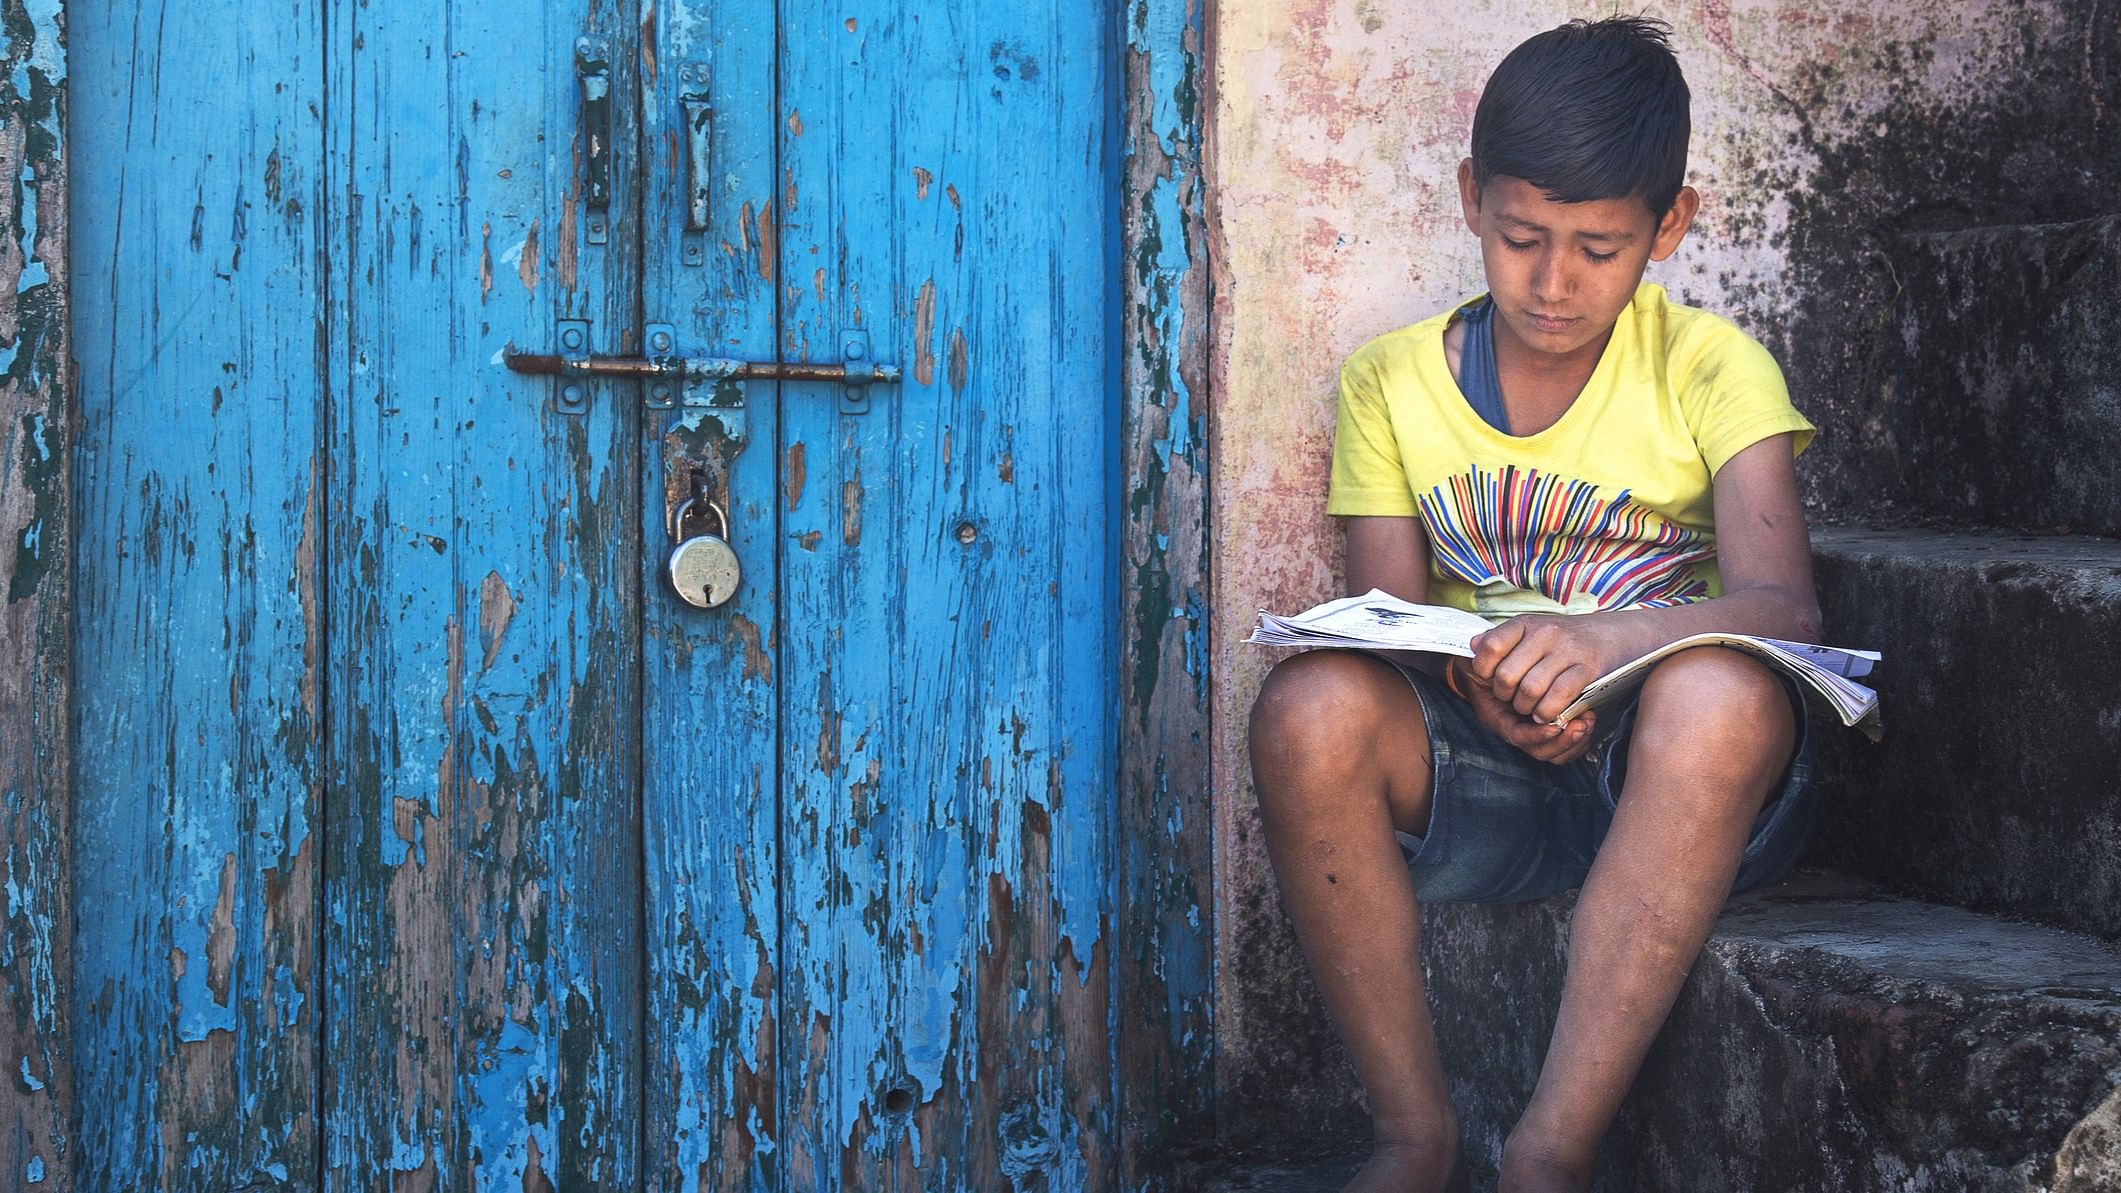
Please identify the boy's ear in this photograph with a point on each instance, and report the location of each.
(1673, 227)
(1469, 195)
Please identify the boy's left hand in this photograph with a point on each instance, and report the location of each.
(1538, 663)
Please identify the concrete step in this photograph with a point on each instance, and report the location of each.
(1832, 1037)
(1997, 395)
(1998, 783)
(1240, 1170)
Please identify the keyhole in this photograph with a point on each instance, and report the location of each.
(709, 591)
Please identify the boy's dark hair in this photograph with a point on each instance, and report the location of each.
(1592, 110)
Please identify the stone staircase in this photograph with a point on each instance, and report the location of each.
(1998, 784)
(1933, 1002)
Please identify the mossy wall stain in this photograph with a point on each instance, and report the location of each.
(1937, 147)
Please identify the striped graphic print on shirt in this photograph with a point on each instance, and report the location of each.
(1555, 536)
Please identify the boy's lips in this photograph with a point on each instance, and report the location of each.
(1551, 322)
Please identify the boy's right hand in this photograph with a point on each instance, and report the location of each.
(1553, 744)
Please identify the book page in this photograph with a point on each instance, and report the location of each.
(1842, 661)
(1851, 703)
(1378, 620)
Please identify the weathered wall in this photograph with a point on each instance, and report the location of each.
(1830, 142)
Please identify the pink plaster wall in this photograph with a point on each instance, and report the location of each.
(1336, 129)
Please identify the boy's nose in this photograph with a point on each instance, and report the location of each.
(1550, 280)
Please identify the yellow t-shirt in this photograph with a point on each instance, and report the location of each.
(1609, 508)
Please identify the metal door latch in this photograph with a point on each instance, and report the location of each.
(674, 379)
(698, 109)
(592, 65)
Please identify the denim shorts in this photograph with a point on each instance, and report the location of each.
(1504, 827)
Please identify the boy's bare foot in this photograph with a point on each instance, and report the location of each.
(1411, 1168)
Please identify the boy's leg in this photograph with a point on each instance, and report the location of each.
(1339, 756)
(1713, 732)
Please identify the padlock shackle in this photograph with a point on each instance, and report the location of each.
(677, 518)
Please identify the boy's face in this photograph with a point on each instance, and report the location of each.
(1561, 273)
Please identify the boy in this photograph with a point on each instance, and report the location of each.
(1602, 471)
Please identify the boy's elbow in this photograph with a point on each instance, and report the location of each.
(1795, 608)
(1805, 615)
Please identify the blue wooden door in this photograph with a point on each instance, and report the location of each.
(480, 883)
(358, 670)
(880, 786)
(425, 839)
(201, 485)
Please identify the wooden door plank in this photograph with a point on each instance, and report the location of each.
(948, 655)
(36, 577)
(1167, 930)
(709, 697)
(482, 968)
(196, 662)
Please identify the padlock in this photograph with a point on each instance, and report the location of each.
(703, 569)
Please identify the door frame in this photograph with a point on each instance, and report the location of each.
(1165, 898)
(1166, 903)
(36, 609)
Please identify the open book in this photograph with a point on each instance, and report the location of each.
(1378, 620)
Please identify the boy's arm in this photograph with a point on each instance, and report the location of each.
(1392, 554)
(1540, 663)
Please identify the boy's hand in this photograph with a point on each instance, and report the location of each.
(1544, 741)
(1539, 663)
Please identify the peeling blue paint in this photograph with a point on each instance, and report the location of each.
(46, 56)
(410, 1154)
(507, 1075)
(1157, 31)
(34, 273)
(287, 997)
(929, 1042)
(1196, 617)
(1164, 977)
(295, 731)
(33, 748)
(198, 1014)
(1164, 231)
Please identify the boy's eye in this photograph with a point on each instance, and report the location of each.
(1601, 256)
(1517, 244)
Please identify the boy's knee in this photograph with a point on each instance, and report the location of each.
(1719, 702)
(1323, 703)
